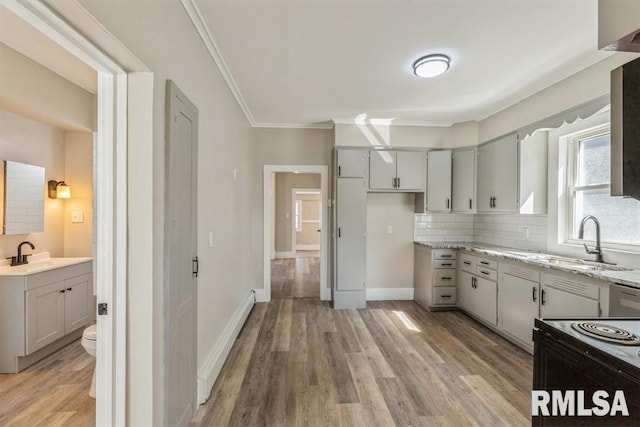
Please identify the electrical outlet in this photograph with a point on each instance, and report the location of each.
(77, 216)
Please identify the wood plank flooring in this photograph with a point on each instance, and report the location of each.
(298, 362)
(296, 277)
(53, 392)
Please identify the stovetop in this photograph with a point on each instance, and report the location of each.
(598, 333)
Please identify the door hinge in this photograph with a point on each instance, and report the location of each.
(195, 266)
(103, 309)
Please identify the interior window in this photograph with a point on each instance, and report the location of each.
(588, 185)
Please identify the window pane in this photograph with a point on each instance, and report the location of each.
(619, 217)
(593, 161)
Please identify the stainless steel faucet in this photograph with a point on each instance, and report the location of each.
(597, 251)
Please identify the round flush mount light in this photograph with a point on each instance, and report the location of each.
(431, 65)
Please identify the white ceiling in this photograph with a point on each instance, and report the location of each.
(304, 62)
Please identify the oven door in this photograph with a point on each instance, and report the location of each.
(624, 301)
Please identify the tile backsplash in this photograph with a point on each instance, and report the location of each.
(511, 230)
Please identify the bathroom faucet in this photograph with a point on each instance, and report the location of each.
(21, 259)
(597, 251)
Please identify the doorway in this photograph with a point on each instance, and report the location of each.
(295, 232)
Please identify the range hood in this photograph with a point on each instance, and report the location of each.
(625, 130)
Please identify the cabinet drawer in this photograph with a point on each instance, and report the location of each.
(443, 263)
(444, 295)
(487, 263)
(444, 277)
(468, 263)
(487, 273)
(444, 254)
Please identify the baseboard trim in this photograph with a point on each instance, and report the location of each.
(285, 254)
(262, 295)
(213, 365)
(307, 247)
(387, 294)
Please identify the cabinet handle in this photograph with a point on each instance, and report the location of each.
(473, 282)
(466, 262)
(484, 272)
(542, 302)
(446, 278)
(62, 291)
(448, 203)
(339, 232)
(534, 296)
(445, 296)
(445, 256)
(393, 180)
(469, 204)
(69, 289)
(338, 170)
(398, 180)
(448, 264)
(484, 263)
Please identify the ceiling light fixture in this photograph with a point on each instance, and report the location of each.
(431, 65)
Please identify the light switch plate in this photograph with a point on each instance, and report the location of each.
(77, 216)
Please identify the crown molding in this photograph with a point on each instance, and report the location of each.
(391, 122)
(328, 125)
(201, 27)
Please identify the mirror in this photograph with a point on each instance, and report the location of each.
(22, 198)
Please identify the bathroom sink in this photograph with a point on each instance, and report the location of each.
(39, 265)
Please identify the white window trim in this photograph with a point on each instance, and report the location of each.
(571, 147)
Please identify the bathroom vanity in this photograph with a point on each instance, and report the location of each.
(44, 305)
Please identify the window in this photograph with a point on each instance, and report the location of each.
(588, 185)
(298, 215)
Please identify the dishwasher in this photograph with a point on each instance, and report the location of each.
(624, 301)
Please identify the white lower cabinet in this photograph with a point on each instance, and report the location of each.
(41, 310)
(561, 296)
(477, 295)
(435, 277)
(518, 300)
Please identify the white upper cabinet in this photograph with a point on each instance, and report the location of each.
(498, 175)
(391, 170)
(439, 181)
(463, 197)
(351, 163)
(533, 173)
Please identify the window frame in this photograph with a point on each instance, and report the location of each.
(572, 164)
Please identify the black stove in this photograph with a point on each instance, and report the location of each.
(590, 355)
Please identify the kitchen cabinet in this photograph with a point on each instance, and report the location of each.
(43, 311)
(435, 277)
(463, 181)
(532, 197)
(351, 163)
(350, 243)
(396, 170)
(478, 291)
(562, 296)
(498, 175)
(439, 181)
(518, 301)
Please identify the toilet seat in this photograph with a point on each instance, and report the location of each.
(90, 333)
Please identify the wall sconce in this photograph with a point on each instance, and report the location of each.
(59, 190)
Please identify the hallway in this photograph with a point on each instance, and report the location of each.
(296, 277)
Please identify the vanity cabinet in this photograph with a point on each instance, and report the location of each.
(42, 311)
(396, 170)
(56, 309)
(498, 175)
(463, 181)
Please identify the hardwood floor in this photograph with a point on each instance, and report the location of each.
(298, 362)
(53, 392)
(296, 277)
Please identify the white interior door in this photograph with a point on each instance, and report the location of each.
(180, 255)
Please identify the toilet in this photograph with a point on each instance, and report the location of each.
(89, 344)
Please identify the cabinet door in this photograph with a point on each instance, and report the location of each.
(45, 315)
(78, 302)
(533, 174)
(351, 222)
(351, 163)
(485, 177)
(485, 303)
(558, 303)
(518, 306)
(465, 290)
(505, 175)
(463, 181)
(410, 170)
(439, 181)
(382, 170)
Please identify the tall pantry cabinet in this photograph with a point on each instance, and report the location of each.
(350, 229)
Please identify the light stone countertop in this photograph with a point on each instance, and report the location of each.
(613, 274)
(38, 263)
